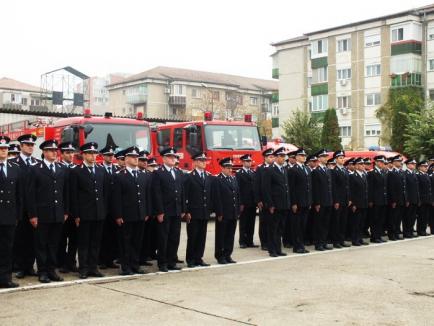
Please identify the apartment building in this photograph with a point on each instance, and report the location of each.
(166, 92)
(352, 67)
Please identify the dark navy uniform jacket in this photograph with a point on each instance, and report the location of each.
(276, 188)
(245, 181)
(168, 193)
(300, 183)
(11, 195)
(229, 197)
(48, 193)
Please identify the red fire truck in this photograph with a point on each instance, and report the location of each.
(218, 139)
(121, 132)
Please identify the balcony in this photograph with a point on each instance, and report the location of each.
(177, 100)
(407, 79)
(38, 108)
(265, 108)
(275, 73)
(319, 89)
(12, 106)
(137, 98)
(405, 47)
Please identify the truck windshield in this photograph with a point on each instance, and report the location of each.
(121, 135)
(232, 137)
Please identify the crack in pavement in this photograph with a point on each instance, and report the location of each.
(173, 305)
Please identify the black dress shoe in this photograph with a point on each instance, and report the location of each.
(179, 261)
(327, 247)
(345, 245)
(222, 261)
(337, 245)
(146, 263)
(82, 275)
(229, 260)
(252, 245)
(95, 273)
(376, 241)
(8, 285)
(64, 270)
(281, 254)
(163, 269)
(287, 245)
(138, 270)
(273, 254)
(173, 268)
(191, 265)
(243, 246)
(357, 244)
(264, 248)
(20, 274)
(54, 277)
(319, 248)
(203, 264)
(125, 272)
(364, 243)
(43, 278)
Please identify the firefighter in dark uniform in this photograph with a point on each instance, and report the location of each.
(201, 198)
(24, 249)
(287, 231)
(300, 185)
(322, 200)
(311, 164)
(413, 200)
(11, 202)
(14, 151)
(169, 208)
(227, 214)
(259, 200)
(120, 158)
(89, 188)
(48, 207)
(377, 198)
(147, 230)
(245, 178)
(341, 194)
(131, 208)
(426, 198)
(66, 255)
(359, 201)
(396, 195)
(109, 247)
(276, 198)
(431, 174)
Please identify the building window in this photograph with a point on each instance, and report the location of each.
(253, 100)
(431, 94)
(373, 70)
(431, 64)
(345, 131)
(343, 102)
(24, 101)
(195, 93)
(178, 90)
(430, 33)
(319, 47)
(34, 102)
(319, 75)
(373, 130)
(344, 45)
(319, 103)
(372, 40)
(373, 99)
(344, 74)
(397, 34)
(216, 95)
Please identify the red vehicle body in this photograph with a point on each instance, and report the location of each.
(218, 139)
(122, 132)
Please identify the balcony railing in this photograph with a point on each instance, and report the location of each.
(137, 98)
(177, 100)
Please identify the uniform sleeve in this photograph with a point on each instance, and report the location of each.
(157, 195)
(257, 185)
(31, 194)
(116, 201)
(216, 195)
(266, 187)
(73, 189)
(316, 188)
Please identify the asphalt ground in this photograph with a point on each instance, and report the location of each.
(383, 284)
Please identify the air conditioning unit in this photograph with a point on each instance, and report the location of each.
(343, 82)
(344, 111)
(167, 90)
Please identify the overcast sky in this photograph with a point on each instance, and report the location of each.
(227, 36)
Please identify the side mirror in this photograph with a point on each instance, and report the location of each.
(68, 135)
(193, 139)
(88, 128)
(264, 140)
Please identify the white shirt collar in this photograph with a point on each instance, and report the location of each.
(199, 171)
(168, 168)
(360, 173)
(48, 163)
(131, 170)
(24, 157)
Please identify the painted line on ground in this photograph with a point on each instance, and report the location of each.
(116, 278)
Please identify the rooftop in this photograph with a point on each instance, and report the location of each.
(178, 74)
(12, 84)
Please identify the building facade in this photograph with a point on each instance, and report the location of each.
(16, 96)
(352, 67)
(165, 92)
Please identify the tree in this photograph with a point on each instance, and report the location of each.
(330, 131)
(302, 130)
(419, 138)
(394, 114)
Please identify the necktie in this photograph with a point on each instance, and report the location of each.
(109, 170)
(135, 174)
(2, 172)
(92, 172)
(52, 168)
(172, 172)
(28, 161)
